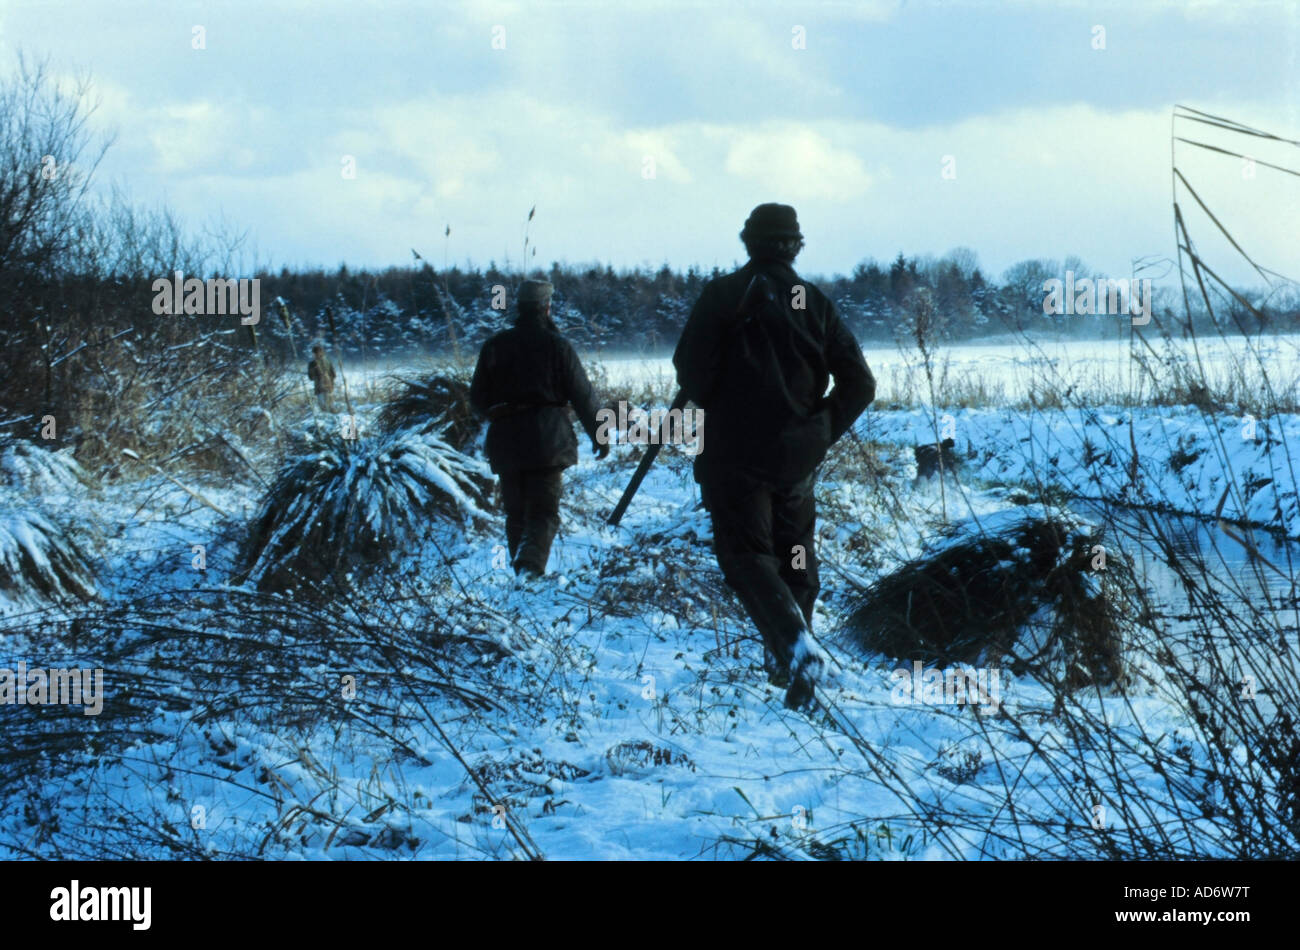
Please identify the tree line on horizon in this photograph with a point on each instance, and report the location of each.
(78, 266)
(406, 310)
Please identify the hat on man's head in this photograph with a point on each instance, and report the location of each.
(535, 292)
(771, 221)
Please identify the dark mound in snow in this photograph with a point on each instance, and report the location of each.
(1017, 587)
(440, 403)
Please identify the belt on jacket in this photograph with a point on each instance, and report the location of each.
(503, 409)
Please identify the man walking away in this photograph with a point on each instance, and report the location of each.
(757, 353)
(525, 378)
(321, 372)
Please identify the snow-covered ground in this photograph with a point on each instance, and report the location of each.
(1179, 458)
(633, 717)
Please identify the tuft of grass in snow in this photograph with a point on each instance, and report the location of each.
(980, 594)
(40, 559)
(353, 504)
(27, 467)
(439, 403)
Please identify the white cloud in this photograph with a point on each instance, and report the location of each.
(797, 162)
(1030, 183)
(587, 92)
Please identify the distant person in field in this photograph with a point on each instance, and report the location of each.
(757, 353)
(321, 373)
(525, 379)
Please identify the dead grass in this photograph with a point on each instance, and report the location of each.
(980, 598)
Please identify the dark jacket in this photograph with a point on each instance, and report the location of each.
(760, 376)
(525, 378)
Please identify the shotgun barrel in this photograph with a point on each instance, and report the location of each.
(757, 294)
(652, 452)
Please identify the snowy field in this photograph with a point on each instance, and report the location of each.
(1091, 372)
(1011, 370)
(626, 713)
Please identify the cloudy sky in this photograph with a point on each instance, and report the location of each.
(644, 132)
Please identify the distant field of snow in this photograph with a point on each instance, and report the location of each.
(1104, 366)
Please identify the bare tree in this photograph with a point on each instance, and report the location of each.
(47, 160)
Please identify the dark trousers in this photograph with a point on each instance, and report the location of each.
(532, 501)
(764, 537)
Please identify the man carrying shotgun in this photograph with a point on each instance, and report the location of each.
(525, 379)
(757, 353)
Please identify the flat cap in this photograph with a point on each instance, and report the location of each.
(535, 291)
(772, 221)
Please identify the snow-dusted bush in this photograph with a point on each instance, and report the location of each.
(29, 468)
(1018, 586)
(439, 403)
(38, 559)
(353, 504)
(236, 683)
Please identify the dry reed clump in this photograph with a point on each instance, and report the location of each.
(41, 559)
(27, 467)
(351, 505)
(439, 403)
(186, 407)
(1017, 589)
